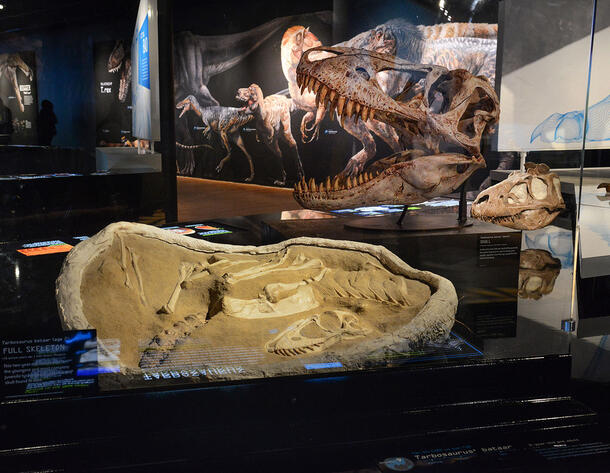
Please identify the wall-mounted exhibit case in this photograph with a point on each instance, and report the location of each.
(429, 285)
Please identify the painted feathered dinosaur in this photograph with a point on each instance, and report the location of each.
(272, 121)
(9, 63)
(226, 122)
(439, 116)
(470, 46)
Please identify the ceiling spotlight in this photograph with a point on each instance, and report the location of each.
(1, 7)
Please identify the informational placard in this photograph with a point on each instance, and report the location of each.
(144, 51)
(44, 248)
(64, 364)
(113, 93)
(498, 249)
(18, 98)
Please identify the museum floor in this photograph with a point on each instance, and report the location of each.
(206, 198)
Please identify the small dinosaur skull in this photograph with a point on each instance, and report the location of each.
(525, 200)
(317, 333)
(538, 271)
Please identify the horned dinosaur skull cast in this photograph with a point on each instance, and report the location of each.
(525, 200)
(440, 116)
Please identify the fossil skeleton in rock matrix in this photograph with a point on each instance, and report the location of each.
(525, 200)
(538, 271)
(440, 117)
(163, 294)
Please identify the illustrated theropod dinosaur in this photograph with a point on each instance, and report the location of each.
(226, 122)
(272, 120)
(9, 63)
(198, 58)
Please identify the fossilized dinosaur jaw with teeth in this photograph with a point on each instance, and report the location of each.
(346, 83)
(405, 178)
(440, 117)
(524, 201)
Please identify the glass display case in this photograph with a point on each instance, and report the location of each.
(442, 270)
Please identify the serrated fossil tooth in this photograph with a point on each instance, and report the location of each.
(316, 86)
(365, 113)
(360, 180)
(310, 83)
(372, 114)
(322, 95)
(304, 186)
(340, 105)
(303, 86)
(349, 108)
(312, 185)
(327, 184)
(333, 95)
(357, 111)
(336, 183)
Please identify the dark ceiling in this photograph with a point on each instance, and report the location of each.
(26, 15)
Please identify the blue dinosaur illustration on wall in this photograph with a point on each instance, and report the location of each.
(568, 127)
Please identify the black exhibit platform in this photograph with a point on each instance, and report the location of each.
(413, 224)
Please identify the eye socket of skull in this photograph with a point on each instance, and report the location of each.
(363, 72)
(518, 194)
(461, 168)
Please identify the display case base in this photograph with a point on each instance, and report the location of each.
(415, 223)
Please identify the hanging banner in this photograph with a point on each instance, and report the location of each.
(144, 51)
(18, 99)
(112, 93)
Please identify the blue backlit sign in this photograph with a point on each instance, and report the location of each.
(143, 56)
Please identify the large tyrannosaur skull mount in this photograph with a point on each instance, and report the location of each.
(440, 117)
(524, 201)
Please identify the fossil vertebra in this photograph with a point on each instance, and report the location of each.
(440, 117)
(304, 297)
(525, 200)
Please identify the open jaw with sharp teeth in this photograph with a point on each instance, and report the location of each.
(332, 101)
(331, 189)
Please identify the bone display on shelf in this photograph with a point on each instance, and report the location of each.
(170, 298)
(538, 271)
(526, 200)
(439, 118)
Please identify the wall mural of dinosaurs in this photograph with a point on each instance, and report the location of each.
(294, 121)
